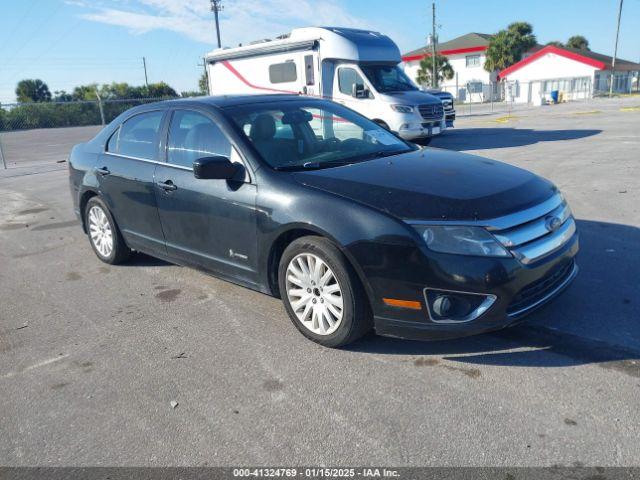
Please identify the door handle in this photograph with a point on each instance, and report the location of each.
(168, 186)
(103, 171)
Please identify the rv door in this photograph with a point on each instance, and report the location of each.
(352, 90)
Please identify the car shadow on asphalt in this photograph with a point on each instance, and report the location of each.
(143, 260)
(596, 320)
(464, 139)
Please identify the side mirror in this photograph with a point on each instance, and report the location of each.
(358, 91)
(215, 168)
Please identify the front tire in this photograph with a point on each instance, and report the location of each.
(322, 293)
(104, 236)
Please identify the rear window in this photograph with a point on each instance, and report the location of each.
(140, 136)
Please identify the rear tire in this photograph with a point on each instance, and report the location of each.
(322, 293)
(104, 236)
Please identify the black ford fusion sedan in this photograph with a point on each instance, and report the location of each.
(354, 228)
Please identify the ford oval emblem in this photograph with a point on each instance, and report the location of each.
(553, 223)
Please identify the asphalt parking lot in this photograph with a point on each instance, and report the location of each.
(91, 356)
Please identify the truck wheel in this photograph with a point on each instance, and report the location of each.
(322, 293)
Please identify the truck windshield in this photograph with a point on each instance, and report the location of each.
(388, 78)
(311, 134)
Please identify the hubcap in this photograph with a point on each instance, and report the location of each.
(100, 231)
(314, 294)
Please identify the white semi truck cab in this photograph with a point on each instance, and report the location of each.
(357, 68)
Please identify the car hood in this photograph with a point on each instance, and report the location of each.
(413, 97)
(434, 184)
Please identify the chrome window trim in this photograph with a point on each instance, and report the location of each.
(549, 295)
(156, 162)
(480, 310)
(505, 222)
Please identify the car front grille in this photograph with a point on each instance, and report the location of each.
(537, 232)
(541, 290)
(431, 112)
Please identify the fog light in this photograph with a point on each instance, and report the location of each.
(442, 305)
(447, 306)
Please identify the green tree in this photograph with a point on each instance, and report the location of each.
(555, 43)
(579, 42)
(507, 46)
(32, 91)
(158, 90)
(203, 84)
(444, 70)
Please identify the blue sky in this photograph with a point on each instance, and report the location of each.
(71, 42)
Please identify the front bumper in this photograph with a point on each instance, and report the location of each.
(421, 129)
(519, 290)
(450, 117)
(411, 126)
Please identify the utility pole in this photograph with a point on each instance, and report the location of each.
(206, 73)
(615, 52)
(434, 77)
(216, 7)
(144, 65)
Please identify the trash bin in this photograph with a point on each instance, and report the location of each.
(554, 96)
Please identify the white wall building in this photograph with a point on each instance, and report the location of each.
(466, 54)
(575, 74)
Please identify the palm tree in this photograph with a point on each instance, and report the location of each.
(507, 46)
(579, 42)
(32, 91)
(444, 70)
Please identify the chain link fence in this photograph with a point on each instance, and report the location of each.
(45, 132)
(477, 98)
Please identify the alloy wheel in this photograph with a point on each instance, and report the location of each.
(314, 294)
(100, 231)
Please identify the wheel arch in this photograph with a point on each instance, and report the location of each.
(84, 199)
(291, 233)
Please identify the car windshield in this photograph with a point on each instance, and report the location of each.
(388, 78)
(312, 134)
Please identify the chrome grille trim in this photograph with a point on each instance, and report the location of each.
(429, 112)
(535, 229)
(546, 245)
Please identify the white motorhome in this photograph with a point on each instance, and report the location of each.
(357, 68)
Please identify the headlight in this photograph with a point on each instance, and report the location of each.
(461, 240)
(402, 108)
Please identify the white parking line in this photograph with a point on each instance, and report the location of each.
(35, 365)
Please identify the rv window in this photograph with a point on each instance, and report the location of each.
(283, 72)
(308, 69)
(347, 77)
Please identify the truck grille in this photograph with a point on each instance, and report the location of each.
(431, 112)
(537, 232)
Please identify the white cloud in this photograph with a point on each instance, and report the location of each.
(241, 20)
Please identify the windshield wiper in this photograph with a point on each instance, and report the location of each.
(312, 166)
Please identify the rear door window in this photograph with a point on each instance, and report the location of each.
(140, 136)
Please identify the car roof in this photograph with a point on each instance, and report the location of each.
(223, 101)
